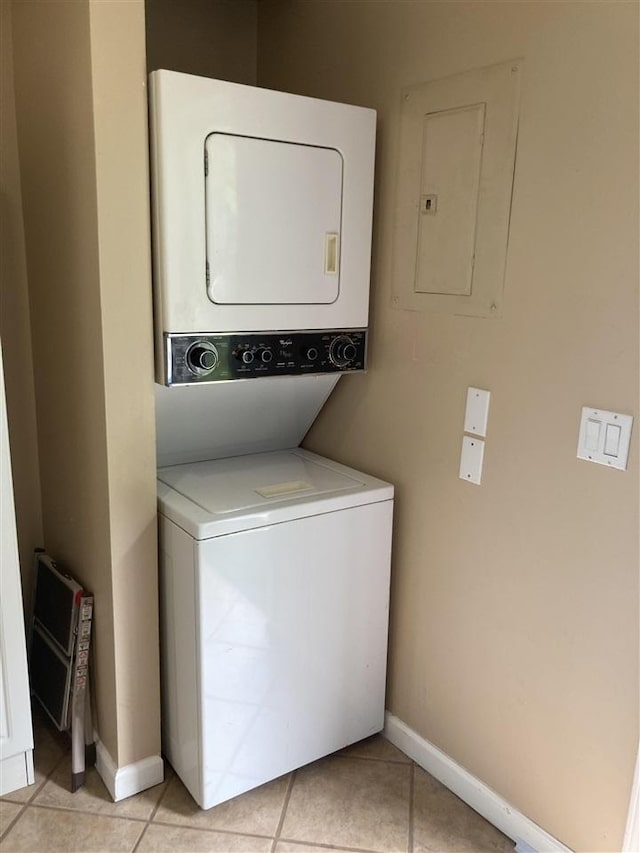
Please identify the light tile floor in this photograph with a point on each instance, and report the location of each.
(369, 797)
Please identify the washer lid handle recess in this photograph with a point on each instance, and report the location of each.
(281, 490)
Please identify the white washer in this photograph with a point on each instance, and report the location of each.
(275, 597)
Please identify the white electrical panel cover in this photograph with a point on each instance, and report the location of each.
(455, 182)
(262, 207)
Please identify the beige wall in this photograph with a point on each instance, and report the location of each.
(121, 150)
(15, 329)
(514, 627)
(213, 38)
(80, 103)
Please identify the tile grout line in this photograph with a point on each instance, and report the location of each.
(50, 807)
(325, 846)
(33, 795)
(204, 829)
(370, 758)
(153, 812)
(146, 821)
(412, 785)
(207, 830)
(37, 789)
(13, 822)
(285, 805)
(49, 776)
(140, 837)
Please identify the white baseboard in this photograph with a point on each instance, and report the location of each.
(475, 793)
(123, 782)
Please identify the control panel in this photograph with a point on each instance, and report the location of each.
(197, 358)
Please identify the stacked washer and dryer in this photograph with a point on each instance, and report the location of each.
(274, 562)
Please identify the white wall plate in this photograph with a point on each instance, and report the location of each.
(477, 411)
(604, 437)
(471, 459)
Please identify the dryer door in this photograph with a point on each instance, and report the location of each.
(273, 226)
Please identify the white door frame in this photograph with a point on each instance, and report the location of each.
(631, 843)
(16, 734)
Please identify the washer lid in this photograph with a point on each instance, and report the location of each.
(230, 495)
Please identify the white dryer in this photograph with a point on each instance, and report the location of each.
(262, 210)
(275, 595)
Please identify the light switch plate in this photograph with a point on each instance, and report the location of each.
(604, 437)
(471, 459)
(477, 411)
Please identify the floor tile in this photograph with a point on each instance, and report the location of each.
(54, 831)
(442, 823)
(93, 796)
(8, 811)
(22, 795)
(49, 747)
(180, 839)
(257, 812)
(377, 747)
(350, 803)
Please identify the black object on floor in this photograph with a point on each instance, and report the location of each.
(59, 658)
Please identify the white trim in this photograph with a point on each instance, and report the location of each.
(470, 789)
(123, 782)
(631, 843)
(16, 772)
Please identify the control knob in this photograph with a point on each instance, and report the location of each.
(342, 351)
(265, 355)
(201, 358)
